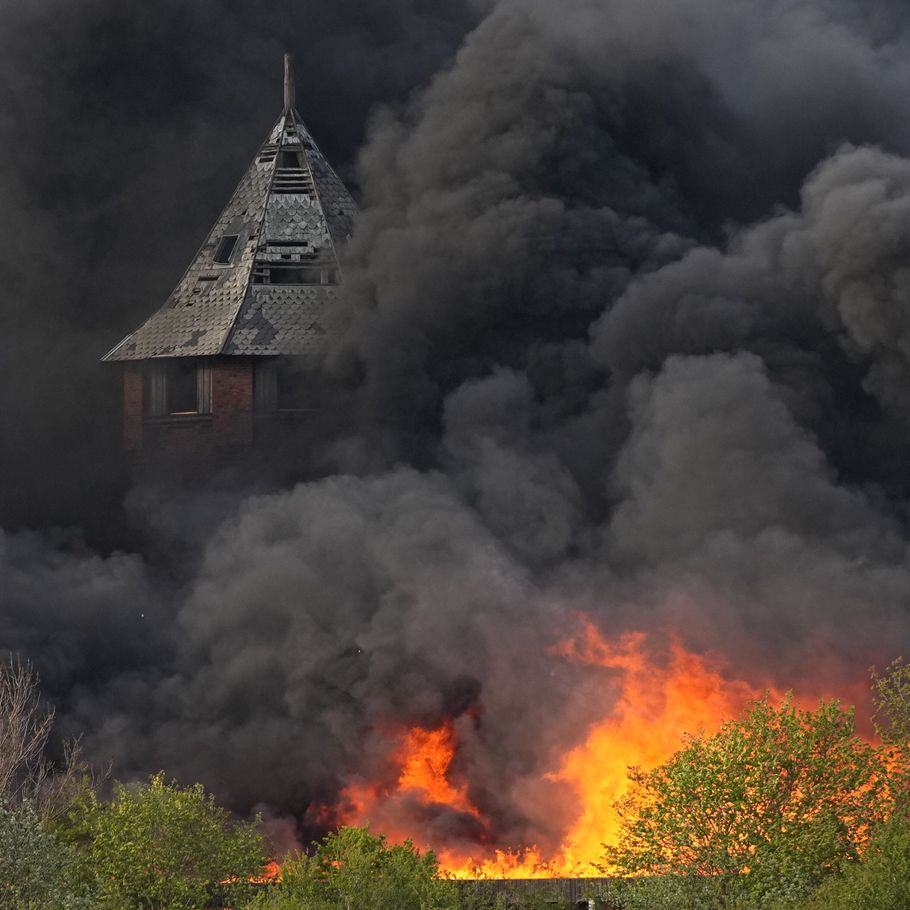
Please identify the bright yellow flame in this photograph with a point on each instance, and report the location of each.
(659, 699)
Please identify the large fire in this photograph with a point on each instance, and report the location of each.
(659, 700)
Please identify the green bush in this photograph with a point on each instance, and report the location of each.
(157, 846)
(355, 870)
(758, 813)
(891, 698)
(36, 869)
(879, 881)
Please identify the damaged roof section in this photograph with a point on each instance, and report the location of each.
(266, 278)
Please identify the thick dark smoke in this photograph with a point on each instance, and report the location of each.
(629, 328)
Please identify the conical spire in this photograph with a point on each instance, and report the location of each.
(289, 83)
(266, 277)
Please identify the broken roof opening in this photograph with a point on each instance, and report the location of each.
(225, 249)
(289, 159)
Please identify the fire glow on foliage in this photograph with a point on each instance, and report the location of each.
(658, 701)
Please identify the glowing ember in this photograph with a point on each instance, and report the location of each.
(659, 698)
(270, 873)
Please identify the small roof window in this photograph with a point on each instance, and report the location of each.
(225, 249)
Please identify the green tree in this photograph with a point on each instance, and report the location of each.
(763, 810)
(891, 700)
(891, 697)
(158, 846)
(36, 869)
(879, 881)
(352, 868)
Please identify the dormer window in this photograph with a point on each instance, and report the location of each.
(225, 249)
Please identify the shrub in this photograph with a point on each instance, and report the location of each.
(352, 869)
(762, 811)
(36, 869)
(158, 846)
(879, 881)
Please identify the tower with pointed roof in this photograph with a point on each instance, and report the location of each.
(203, 371)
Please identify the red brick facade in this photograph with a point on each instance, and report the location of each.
(133, 416)
(232, 402)
(191, 437)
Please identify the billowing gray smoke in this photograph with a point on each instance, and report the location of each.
(630, 335)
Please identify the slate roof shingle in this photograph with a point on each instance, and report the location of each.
(290, 213)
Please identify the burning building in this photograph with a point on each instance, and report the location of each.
(579, 396)
(229, 355)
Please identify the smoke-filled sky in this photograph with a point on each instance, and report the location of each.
(629, 334)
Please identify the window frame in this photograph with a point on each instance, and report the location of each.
(157, 394)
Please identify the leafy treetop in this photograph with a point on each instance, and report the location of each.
(352, 868)
(158, 846)
(783, 795)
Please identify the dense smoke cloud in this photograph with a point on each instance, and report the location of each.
(628, 334)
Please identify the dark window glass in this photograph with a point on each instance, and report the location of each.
(182, 390)
(225, 248)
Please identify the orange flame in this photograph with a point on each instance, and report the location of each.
(660, 698)
(271, 872)
(656, 706)
(426, 757)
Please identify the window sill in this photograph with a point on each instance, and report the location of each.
(179, 418)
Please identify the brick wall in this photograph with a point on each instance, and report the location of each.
(232, 402)
(133, 416)
(192, 439)
(186, 439)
